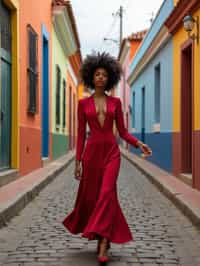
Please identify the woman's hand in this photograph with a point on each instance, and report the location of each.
(146, 150)
(77, 171)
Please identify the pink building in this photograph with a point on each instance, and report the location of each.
(127, 51)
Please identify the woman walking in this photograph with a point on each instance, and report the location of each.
(97, 213)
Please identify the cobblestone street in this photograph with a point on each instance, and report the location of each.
(162, 234)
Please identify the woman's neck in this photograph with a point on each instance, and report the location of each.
(99, 91)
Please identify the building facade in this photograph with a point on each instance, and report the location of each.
(9, 84)
(35, 84)
(66, 62)
(151, 90)
(186, 94)
(39, 62)
(127, 51)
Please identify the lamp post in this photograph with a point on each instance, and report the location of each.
(112, 40)
(189, 24)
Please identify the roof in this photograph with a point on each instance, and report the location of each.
(136, 36)
(68, 5)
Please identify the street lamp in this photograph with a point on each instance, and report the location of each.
(189, 23)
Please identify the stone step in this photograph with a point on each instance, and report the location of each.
(186, 178)
(8, 175)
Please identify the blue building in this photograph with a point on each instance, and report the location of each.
(150, 80)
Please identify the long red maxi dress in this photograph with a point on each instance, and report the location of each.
(97, 210)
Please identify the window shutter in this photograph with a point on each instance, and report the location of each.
(32, 70)
(58, 81)
(64, 103)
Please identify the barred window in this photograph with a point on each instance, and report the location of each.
(32, 69)
(5, 27)
(64, 103)
(58, 81)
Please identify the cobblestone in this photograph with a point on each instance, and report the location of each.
(163, 236)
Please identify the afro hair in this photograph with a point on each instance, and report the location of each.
(100, 60)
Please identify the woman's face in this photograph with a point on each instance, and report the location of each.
(100, 78)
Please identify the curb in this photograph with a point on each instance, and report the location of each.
(180, 201)
(12, 207)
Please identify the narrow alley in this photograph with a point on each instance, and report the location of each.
(163, 235)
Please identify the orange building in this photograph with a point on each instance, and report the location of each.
(35, 84)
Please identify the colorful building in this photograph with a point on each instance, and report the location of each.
(66, 62)
(9, 84)
(186, 93)
(151, 89)
(35, 84)
(39, 62)
(127, 51)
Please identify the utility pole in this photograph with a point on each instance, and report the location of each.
(119, 13)
(121, 24)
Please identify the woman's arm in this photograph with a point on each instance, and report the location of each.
(123, 132)
(81, 132)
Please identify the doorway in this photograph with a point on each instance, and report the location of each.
(45, 97)
(186, 109)
(5, 87)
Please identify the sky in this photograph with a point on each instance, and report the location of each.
(97, 19)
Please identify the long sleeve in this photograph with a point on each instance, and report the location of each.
(81, 132)
(123, 132)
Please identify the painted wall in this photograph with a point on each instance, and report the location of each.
(133, 49)
(162, 14)
(13, 5)
(36, 13)
(72, 112)
(60, 134)
(162, 141)
(179, 39)
(124, 88)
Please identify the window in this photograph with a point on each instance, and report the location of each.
(58, 81)
(64, 103)
(133, 110)
(5, 27)
(157, 95)
(32, 69)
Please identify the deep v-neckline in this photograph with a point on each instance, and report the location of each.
(95, 110)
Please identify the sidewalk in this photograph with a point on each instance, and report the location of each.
(182, 195)
(15, 195)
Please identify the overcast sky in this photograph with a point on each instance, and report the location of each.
(95, 21)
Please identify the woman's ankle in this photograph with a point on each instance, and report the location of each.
(103, 247)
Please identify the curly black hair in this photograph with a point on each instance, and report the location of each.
(100, 60)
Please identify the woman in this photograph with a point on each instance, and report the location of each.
(97, 213)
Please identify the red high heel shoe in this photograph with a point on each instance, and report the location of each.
(103, 259)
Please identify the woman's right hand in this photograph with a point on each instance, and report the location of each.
(77, 171)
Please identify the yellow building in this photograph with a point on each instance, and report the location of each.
(9, 84)
(186, 90)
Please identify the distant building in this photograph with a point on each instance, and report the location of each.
(127, 52)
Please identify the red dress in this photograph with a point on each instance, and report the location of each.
(97, 210)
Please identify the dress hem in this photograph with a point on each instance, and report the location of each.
(91, 235)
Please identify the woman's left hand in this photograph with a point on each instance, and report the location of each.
(146, 150)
